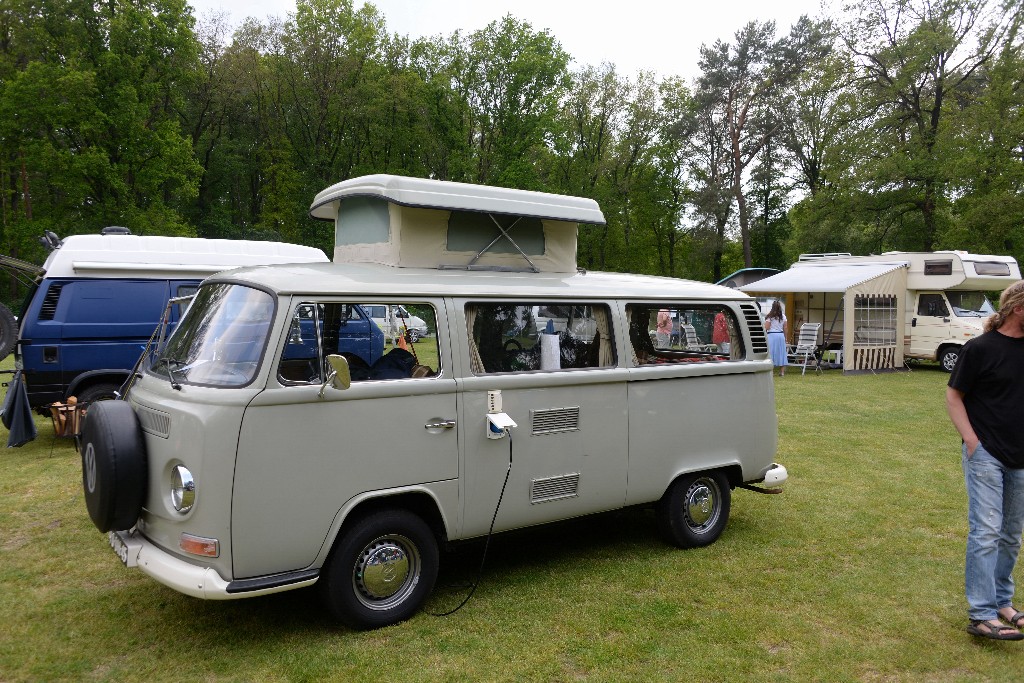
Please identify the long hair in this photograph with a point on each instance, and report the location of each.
(1011, 297)
(776, 311)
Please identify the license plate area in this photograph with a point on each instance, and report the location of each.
(125, 546)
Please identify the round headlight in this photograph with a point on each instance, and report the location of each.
(183, 489)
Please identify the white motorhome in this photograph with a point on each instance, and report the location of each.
(937, 299)
(237, 466)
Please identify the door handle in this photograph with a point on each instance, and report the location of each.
(446, 424)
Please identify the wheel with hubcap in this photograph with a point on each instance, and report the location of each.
(695, 509)
(381, 571)
(948, 358)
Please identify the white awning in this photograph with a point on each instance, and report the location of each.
(821, 277)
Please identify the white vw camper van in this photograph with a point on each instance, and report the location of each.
(236, 468)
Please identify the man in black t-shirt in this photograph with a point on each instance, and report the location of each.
(985, 401)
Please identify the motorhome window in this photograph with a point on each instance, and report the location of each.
(524, 336)
(932, 305)
(474, 231)
(352, 329)
(683, 333)
(221, 338)
(991, 268)
(970, 304)
(874, 319)
(938, 267)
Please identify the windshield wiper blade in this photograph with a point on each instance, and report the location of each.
(168, 362)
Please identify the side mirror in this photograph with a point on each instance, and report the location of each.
(339, 376)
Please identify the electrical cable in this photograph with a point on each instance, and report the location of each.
(487, 543)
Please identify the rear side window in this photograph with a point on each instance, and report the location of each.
(524, 337)
(683, 333)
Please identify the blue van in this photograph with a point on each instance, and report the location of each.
(92, 312)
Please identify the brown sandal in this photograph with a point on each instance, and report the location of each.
(993, 631)
(1016, 620)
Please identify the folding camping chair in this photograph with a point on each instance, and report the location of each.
(806, 346)
(689, 338)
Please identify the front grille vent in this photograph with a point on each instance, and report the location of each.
(555, 420)
(554, 488)
(758, 340)
(153, 421)
(49, 307)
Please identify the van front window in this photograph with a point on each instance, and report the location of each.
(970, 304)
(221, 339)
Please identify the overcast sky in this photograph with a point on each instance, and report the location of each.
(662, 36)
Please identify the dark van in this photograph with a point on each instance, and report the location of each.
(95, 307)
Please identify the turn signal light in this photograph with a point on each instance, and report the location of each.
(197, 545)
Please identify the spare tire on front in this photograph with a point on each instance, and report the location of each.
(114, 465)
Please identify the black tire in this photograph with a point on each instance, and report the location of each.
(8, 331)
(381, 570)
(695, 510)
(98, 392)
(412, 336)
(114, 465)
(948, 357)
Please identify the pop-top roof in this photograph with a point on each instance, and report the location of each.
(442, 194)
(421, 223)
(136, 255)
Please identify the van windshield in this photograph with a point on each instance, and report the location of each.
(220, 340)
(970, 304)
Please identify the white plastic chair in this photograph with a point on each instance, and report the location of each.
(806, 346)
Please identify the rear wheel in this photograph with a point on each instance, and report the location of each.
(381, 571)
(8, 331)
(695, 509)
(948, 357)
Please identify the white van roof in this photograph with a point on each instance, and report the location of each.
(110, 256)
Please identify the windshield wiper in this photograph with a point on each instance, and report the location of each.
(168, 362)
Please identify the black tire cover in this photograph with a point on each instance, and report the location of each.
(8, 331)
(114, 465)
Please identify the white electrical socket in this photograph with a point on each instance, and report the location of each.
(494, 401)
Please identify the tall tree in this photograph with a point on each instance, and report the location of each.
(917, 58)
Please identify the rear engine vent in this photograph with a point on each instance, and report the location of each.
(554, 488)
(49, 307)
(758, 340)
(555, 420)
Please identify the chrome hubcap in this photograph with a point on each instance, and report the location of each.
(701, 505)
(386, 572)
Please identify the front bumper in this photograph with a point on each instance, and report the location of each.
(135, 550)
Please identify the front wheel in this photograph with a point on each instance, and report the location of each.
(695, 509)
(381, 571)
(948, 358)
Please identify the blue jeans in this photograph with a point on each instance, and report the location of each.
(995, 518)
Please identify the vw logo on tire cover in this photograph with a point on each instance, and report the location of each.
(90, 467)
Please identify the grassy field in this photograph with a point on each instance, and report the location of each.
(854, 574)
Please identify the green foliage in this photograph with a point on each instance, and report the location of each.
(894, 125)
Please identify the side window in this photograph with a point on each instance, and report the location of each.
(521, 337)
(319, 329)
(932, 304)
(683, 333)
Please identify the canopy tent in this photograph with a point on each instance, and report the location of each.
(866, 302)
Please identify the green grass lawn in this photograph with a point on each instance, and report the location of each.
(854, 573)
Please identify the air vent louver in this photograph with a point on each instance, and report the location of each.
(554, 488)
(758, 340)
(555, 420)
(49, 307)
